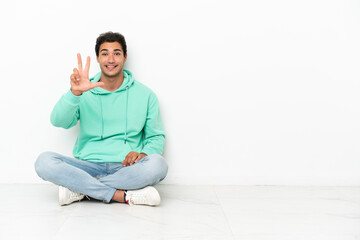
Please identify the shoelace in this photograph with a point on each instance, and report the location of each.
(74, 195)
(137, 198)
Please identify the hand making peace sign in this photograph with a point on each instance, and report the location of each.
(79, 80)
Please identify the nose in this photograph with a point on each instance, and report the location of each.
(111, 58)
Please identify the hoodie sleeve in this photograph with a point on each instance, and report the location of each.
(66, 112)
(154, 135)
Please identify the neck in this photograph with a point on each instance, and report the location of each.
(112, 83)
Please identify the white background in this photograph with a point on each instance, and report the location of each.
(251, 92)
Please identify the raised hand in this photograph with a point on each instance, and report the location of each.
(79, 80)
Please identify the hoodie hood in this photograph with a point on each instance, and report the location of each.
(128, 81)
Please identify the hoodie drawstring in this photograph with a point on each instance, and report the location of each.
(126, 111)
(102, 118)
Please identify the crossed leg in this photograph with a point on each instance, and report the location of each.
(102, 181)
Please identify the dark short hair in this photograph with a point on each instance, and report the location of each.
(110, 37)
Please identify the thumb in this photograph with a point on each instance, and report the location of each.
(94, 85)
(97, 84)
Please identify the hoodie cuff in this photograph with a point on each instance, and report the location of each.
(147, 151)
(71, 98)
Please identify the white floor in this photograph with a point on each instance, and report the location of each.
(186, 212)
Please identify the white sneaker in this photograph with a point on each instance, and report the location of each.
(67, 196)
(146, 196)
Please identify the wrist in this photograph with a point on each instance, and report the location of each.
(76, 93)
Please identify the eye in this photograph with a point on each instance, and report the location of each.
(117, 54)
(104, 54)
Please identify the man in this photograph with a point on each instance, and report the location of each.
(117, 153)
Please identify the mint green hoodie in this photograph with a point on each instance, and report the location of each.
(112, 123)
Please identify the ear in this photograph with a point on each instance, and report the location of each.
(97, 58)
(125, 57)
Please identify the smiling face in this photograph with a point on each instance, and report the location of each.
(111, 59)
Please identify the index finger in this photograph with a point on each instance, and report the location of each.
(87, 65)
(79, 61)
(124, 162)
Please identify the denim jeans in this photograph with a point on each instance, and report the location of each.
(100, 180)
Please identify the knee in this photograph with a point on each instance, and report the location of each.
(42, 163)
(159, 165)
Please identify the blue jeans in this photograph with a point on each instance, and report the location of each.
(100, 180)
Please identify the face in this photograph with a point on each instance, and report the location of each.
(111, 59)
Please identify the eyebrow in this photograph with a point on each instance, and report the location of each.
(119, 50)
